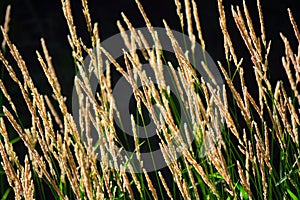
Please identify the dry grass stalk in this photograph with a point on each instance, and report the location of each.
(255, 57)
(176, 80)
(252, 34)
(260, 158)
(261, 21)
(117, 65)
(20, 62)
(124, 35)
(35, 155)
(227, 40)
(135, 178)
(50, 67)
(286, 61)
(217, 159)
(73, 179)
(208, 71)
(56, 90)
(173, 166)
(135, 38)
(178, 11)
(6, 25)
(196, 193)
(200, 170)
(54, 113)
(267, 155)
(86, 14)
(11, 174)
(198, 24)
(127, 185)
(297, 33)
(10, 70)
(7, 96)
(297, 64)
(186, 190)
(188, 12)
(107, 183)
(239, 100)
(136, 140)
(226, 114)
(85, 173)
(150, 185)
(165, 185)
(243, 180)
(13, 158)
(148, 23)
(27, 182)
(74, 42)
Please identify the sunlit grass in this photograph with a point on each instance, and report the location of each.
(252, 153)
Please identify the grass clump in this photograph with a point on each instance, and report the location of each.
(256, 153)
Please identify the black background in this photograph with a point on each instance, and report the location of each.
(32, 20)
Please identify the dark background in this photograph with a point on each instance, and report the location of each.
(31, 20)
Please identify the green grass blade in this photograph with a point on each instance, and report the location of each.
(4, 197)
(293, 196)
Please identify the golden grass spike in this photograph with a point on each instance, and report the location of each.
(192, 179)
(252, 34)
(286, 64)
(50, 65)
(126, 184)
(11, 174)
(209, 73)
(54, 84)
(227, 40)
(54, 113)
(188, 13)
(179, 13)
(148, 23)
(136, 139)
(117, 65)
(243, 180)
(85, 173)
(86, 14)
(27, 182)
(69, 18)
(135, 178)
(198, 24)
(134, 38)
(262, 24)
(239, 100)
(200, 171)
(238, 18)
(20, 62)
(35, 154)
(124, 35)
(150, 185)
(165, 185)
(6, 25)
(73, 182)
(8, 145)
(7, 96)
(10, 70)
(296, 30)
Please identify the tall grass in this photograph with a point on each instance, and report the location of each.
(256, 155)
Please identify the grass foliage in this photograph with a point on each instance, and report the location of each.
(256, 155)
